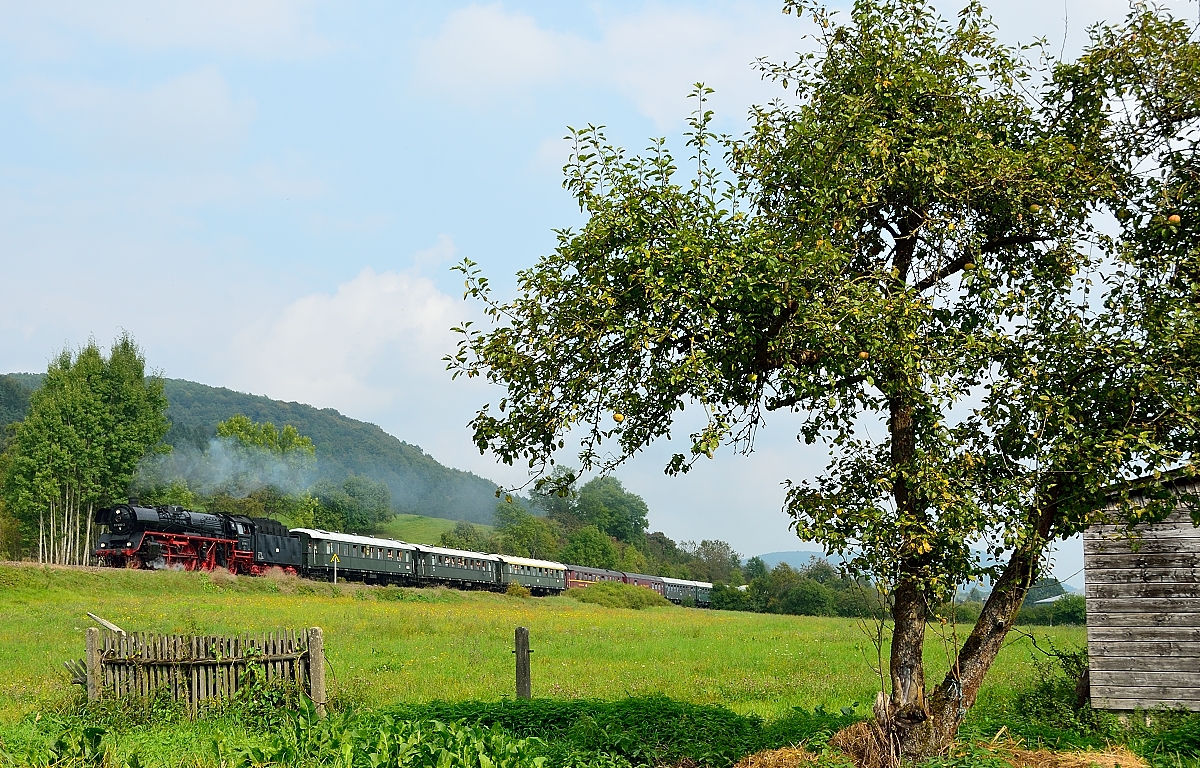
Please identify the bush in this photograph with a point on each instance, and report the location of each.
(860, 601)
(517, 590)
(614, 594)
(346, 739)
(1071, 609)
(638, 731)
(727, 598)
(962, 613)
(809, 597)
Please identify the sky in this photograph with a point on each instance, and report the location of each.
(268, 194)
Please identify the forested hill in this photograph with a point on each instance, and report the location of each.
(419, 484)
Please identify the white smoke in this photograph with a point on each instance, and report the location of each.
(227, 466)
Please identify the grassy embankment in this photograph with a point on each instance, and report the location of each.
(416, 529)
(442, 644)
(392, 645)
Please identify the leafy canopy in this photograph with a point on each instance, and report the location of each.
(87, 427)
(864, 255)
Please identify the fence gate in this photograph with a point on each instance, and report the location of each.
(195, 668)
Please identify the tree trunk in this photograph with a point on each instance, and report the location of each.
(948, 705)
(87, 537)
(908, 711)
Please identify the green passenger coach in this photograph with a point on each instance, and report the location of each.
(542, 577)
(457, 567)
(361, 558)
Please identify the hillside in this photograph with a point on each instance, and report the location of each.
(419, 484)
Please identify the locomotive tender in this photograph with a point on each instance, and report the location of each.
(134, 536)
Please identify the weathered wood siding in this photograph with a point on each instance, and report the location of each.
(1143, 615)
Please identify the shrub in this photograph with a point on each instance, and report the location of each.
(727, 598)
(809, 597)
(860, 601)
(962, 613)
(653, 730)
(614, 594)
(517, 590)
(1071, 609)
(346, 739)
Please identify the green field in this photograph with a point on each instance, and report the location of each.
(441, 644)
(416, 529)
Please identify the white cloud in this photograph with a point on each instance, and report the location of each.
(259, 28)
(483, 53)
(484, 50)
(376, 341)
(430, 258)
(182, 118)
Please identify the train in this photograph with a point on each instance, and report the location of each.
(169, 536)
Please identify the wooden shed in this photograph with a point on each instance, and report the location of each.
(1143, 613)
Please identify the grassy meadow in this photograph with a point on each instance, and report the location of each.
(417, 529)
(388, 645)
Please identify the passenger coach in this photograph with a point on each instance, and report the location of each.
(680, 591)
(361, 558)
(457, 567)
(542, 577)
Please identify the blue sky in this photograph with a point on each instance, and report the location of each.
(268, 195)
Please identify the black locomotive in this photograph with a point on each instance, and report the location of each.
(174, 537)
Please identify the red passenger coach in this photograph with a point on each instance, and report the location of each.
(649, 582)
(580, 576)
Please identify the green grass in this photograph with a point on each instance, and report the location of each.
(416, 529)
(398, 646)
(441, 644)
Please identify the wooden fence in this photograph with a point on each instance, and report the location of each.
(197, 668)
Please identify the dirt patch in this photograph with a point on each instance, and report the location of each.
(788, 757)
(284, 581)
(1113, 757)
(863, 743)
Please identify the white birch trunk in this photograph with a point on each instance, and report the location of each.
(87, 538)
(53, 553)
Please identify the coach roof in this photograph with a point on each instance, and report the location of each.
(349, 538)
(456, 553)
(532, 563)
(686, 583)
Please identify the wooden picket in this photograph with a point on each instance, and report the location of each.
(196, 668)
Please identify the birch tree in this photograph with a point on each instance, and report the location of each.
(78, 448)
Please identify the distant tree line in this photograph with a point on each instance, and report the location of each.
(816, 589)
(419, 484)
(1035, 610)
(599, 524)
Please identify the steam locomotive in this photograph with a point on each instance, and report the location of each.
(173, 537)
(134, 536)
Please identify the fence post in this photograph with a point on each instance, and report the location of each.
(316, 668)
(92, 662)
(524, 687)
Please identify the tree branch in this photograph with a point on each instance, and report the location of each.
(849, 381)
(989, 247)
(1004, 242)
